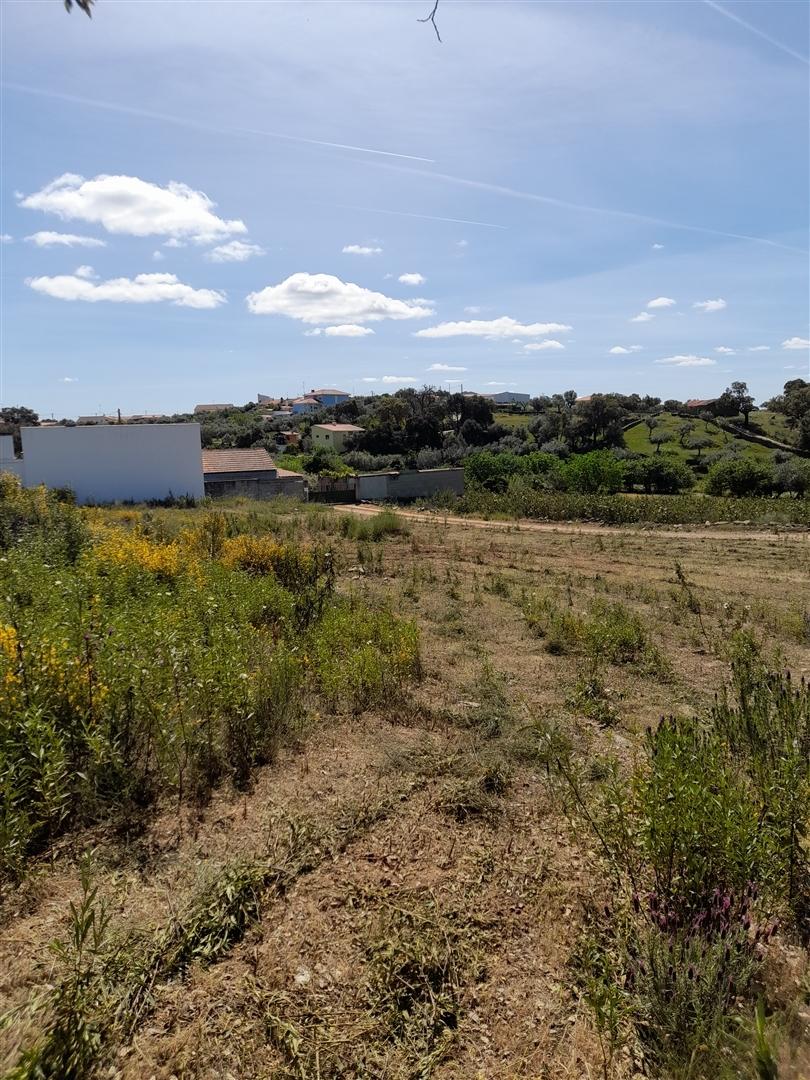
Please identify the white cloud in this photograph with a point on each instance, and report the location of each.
(342, 330)
(643, 316)
(494, 329)
(323, 298)
(760, 348)
(361, 249)
(143, 289)
(540, 346)
(462, 243)
(472, 309)
(687, 361)
(495, 383)
(53, 239)
(398, 379)
(174, 243)
(158, 256)
(348, 330)
(445, 367)
(657, 247)
(86, 272)
(411, 279)
(370, 378)
(135, 207)
(710, 305)
(725, 350)
(6, 238)
(796, 343)
(622, 350)
(234, 251)
(68, 379)
(661, 302)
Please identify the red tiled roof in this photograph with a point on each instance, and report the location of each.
(255, 460)
(329, 390)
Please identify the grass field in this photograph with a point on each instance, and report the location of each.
(411, 888)
(513, 420)
(774, 425)
(637, 439)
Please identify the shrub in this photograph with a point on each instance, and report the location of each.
(739, 477)
(597, 473)
(706, 837)
(373, 528)
(146, 669)
(658, 475)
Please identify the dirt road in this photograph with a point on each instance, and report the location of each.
(712, 532)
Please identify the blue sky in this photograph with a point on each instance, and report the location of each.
(538, 178)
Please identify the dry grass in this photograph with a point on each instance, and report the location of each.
(471, 888)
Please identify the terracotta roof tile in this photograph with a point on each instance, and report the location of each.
(255, 460)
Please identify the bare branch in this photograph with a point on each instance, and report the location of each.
(431, 18)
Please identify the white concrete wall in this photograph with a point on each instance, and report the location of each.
(6, 448)
(115, 462)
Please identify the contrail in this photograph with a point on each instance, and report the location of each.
(424, 217)
(183, 122)
(563, 204)
(755, 30)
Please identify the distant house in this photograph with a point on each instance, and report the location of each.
(508, 397)
(303, 405)
(328, 396)
(200, 409)
(99, 419)
(700, 404)
(333, 436)
(248, 472)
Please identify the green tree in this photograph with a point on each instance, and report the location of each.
(699, 443)
(739, 477)
(744, 402)
(684, 431)
(658, 438)
(13, 418)
(660, 476)
(596, 473)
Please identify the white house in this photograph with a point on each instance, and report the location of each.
(115, 462)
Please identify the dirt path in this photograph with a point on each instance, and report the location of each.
(720, 530)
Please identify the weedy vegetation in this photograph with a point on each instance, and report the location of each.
(289, 792)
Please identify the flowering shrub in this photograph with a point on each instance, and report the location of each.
(144, 668)
(132, 551)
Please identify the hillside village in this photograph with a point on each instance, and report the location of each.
(421, 444)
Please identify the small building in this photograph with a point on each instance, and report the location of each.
(508, 397)
(334, 436)
(200, 410)
(303, 405)
(95, 419)
(248, 472)
(329, 396)
(699, 405)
